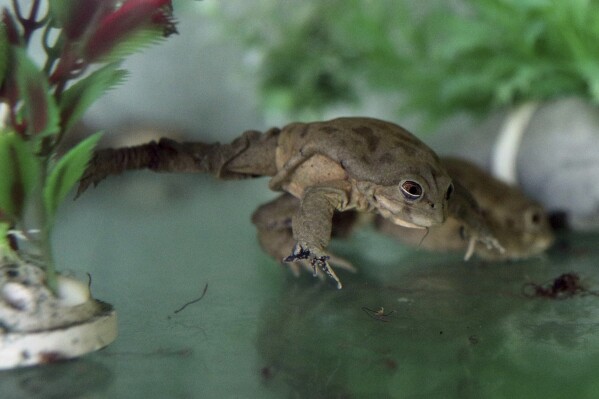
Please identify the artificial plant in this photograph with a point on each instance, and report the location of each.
(444, 57)
(84, 43)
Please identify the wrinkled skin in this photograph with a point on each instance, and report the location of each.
(346, 164)
(519, 223)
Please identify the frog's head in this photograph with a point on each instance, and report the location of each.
(522, 228)
(537, 233)
(416, 201)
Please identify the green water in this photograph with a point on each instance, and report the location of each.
(452, 330)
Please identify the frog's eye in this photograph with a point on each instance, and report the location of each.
(449, 192)
(411, 190)
(534, 217)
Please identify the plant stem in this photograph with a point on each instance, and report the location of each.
(51, 56)
(45, 245)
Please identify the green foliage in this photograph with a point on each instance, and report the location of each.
(504, 52)
(66, 173)
(80, 96)
(62, 11)
(49, 101)
(40, 110)
(314, 53)
(444, 57)
(19, 174)
(79, 38)
(132, 43)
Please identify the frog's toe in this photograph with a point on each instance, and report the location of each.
(495, 244)
(305, 264)
(295, 267)
(301, 255)
(103, 164)
(298, 253)
(470, 249)
(317, 262)
(321, 262)
(490, 242)
(342, 263)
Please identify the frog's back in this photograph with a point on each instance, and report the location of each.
(368, 149)
(490, 193)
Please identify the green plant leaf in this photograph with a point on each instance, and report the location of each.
(66, 173)
(79, 97)
(19, 173)
(41, 111)
(442, 56)
(61, 10)
(132, 43)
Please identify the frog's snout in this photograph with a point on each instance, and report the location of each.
(438, 218)
(438, 212)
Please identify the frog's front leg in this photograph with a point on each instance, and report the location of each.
(475, 227)
(274, 220)
(312, 224)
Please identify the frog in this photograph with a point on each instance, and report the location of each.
(519, 223)
(356, 164)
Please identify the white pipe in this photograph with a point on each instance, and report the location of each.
(505, 151)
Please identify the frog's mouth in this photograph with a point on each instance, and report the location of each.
(405, 223)
(389, 211)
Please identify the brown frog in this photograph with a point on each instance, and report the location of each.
(519, 223)
(360, 164)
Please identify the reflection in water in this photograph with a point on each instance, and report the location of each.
(552, 342)
(80, 378)
(449, 330)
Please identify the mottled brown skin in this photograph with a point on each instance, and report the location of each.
(519, 223)
(273, 221)
(360, 164)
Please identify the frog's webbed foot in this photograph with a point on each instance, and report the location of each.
(476, 227)
(273, 221)
(318, 262)
(491, 243)
(312, 225)
(481, 235)
(164, 155)
(105, 163)
(296, 265)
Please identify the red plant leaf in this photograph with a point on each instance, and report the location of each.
(41, 111)
(76, 17)
(118, 25)
(12, 32)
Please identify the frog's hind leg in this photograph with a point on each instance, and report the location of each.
(274, 223)
(250, 155)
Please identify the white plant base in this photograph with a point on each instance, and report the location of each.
(39, 327)
(31, 348)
